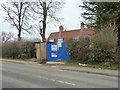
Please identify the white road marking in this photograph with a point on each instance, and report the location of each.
(53, 80)
(67, 83)
(61, 81)
(58, 81)
(70, 83)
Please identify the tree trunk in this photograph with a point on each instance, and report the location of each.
(44, 28)
(44, 22)
(19, 38)
(43, 38)
(19, 35)
(19, 23)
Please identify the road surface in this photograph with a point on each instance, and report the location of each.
(31, 76)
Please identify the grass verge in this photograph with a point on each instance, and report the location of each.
(97, 65)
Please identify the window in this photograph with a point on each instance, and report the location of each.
(77, 37)
(51, 40)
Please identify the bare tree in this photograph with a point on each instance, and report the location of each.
(5, 37)
(17, 14)
(46, 10)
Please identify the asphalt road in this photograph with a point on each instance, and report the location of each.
(31, 76)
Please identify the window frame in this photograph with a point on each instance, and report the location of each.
(52, 39)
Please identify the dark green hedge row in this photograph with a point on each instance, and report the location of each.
(22, 50)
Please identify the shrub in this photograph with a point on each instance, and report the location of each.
(78, 49)
(10, 50)
(104, 45)
(99, 55)
(18, 50)
(101, 47)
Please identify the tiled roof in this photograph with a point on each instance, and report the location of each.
(67, 35)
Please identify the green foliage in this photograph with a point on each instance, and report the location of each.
(101, 47)
(78, 49)
(104, 45)
(9, 50)
(102, 55)
(98, 13)
(21, 50)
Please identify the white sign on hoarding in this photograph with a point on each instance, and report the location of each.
(53, 47)
(53, 54)
(59, 44)
(53, 50)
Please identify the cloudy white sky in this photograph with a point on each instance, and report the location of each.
(70, 12)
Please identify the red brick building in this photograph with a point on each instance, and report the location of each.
(63, 36)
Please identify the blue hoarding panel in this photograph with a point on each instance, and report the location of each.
(62, 53)
(54, 53)
(51, 54)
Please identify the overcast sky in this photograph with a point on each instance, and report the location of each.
(70, 13)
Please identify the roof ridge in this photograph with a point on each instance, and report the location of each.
(73, 30)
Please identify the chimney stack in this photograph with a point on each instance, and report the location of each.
(82, 26)
(61, 28)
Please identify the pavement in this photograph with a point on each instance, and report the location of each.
(31, 75)
(113, 73)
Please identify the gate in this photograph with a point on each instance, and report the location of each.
(55, 52)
